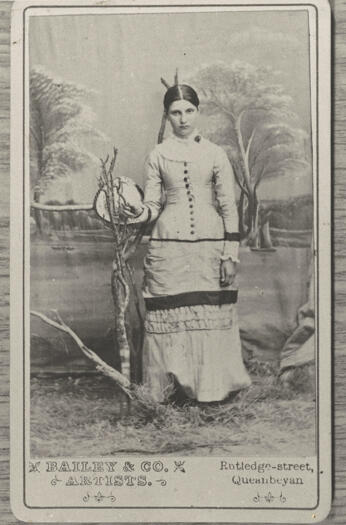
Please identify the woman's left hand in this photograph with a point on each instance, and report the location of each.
(228, 271)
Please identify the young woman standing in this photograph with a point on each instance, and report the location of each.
(191, 329)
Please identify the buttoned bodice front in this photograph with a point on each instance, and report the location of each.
(189, 190)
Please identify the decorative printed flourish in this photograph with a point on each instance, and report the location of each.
(162, 482)
(179, 465)
(55, 481)
(99, 497)
(34, 467)
(269, 498)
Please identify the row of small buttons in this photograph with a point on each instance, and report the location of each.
(190, 199)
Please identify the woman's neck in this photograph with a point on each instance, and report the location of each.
(187, 138)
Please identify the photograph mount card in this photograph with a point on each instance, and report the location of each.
(170, 262)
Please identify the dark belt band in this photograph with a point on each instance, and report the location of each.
(234, 236)
(191, 299)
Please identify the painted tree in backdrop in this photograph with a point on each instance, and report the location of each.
(60, 121)
(253, 119)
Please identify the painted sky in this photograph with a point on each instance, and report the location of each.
(122, 58)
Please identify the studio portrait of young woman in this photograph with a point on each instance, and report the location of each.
(171, 218)
(192, 340)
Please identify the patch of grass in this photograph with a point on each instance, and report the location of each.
(88, 416)
(261, 368)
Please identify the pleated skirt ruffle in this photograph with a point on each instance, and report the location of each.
(197, 347)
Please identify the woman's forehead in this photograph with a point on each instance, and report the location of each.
(181, 105)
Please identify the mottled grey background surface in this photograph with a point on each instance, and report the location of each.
(338, 514)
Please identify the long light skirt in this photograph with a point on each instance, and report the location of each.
(203, 355)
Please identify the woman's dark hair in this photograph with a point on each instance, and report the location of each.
(180, 92)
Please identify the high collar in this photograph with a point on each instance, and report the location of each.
(177, 149)
(193, 137)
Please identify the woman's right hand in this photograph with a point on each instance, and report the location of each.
(132, 212)
(228, 272)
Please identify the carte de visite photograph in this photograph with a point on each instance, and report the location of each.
(170, 275)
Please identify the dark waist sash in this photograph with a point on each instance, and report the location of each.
(191, 299)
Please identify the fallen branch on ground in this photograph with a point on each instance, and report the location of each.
(107, 370)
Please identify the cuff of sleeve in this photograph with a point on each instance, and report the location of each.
(145, 214)
(231, 251)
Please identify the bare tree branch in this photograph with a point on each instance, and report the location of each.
(243, 188)
(222, 107)
(242, 150)
(125, 240)
(249, 144)
(107, 370)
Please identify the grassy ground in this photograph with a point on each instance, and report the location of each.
(85, 416)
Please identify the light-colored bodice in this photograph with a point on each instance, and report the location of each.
(190, 190)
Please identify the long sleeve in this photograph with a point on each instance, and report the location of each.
(225, 196)
(152, 189)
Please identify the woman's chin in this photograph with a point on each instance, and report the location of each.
(184, 132)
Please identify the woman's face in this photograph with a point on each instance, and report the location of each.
(182, 115)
